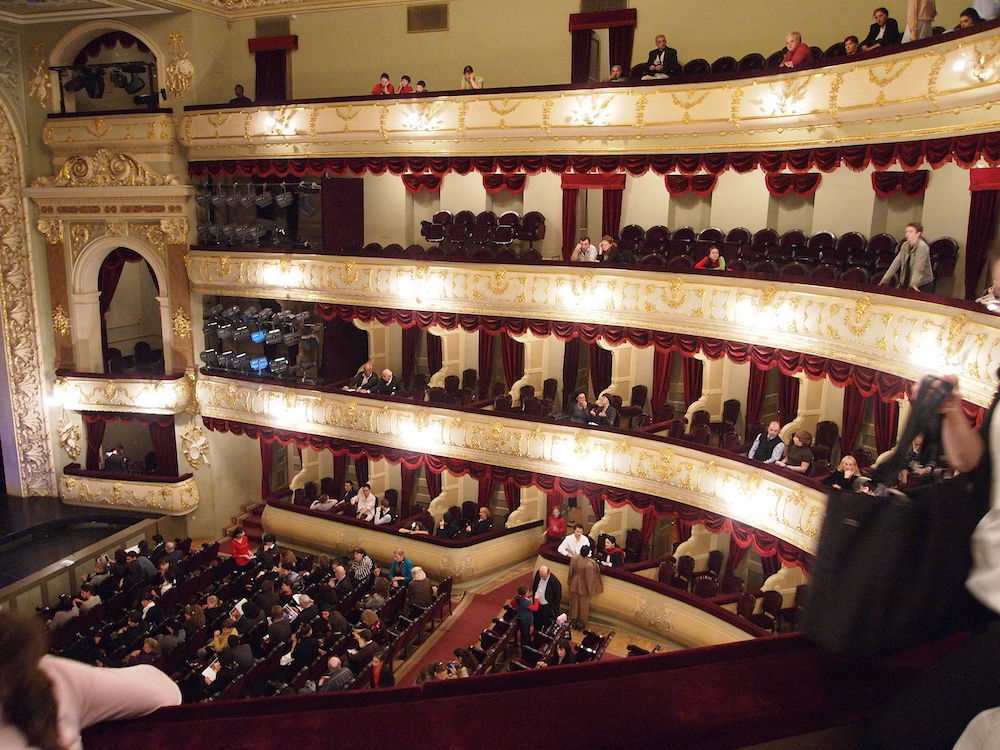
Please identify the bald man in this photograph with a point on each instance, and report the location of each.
(548, 594)
(387, 385)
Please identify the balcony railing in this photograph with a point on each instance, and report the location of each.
(171, 394)
(170, 496)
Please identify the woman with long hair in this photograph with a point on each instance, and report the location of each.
(45, 701)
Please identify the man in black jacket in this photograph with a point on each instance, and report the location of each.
(883, 33)
(662, 62)
(548, 592)
(388, 384)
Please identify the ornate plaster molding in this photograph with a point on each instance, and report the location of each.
(766, 500)
(897, 335)
(52, 230)
(169, 498)
(125, 395)
(180, 69)
(136, 132)
(69, 437)
(195, 446)
(40, 84)
(105, 169)
(21, 324)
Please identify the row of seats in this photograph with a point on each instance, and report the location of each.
(448, 251)
(483, 229)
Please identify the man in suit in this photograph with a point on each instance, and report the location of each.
(344, 585)
(548, 594)
(584, 582)
(364, 652)
(662, 62)
(883, 33)
(364, 381)
(336, 678)
(388, 384)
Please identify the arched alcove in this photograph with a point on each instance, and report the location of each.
(85, 296)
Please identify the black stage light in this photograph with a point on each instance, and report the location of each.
(241, 333)
(292, 338)
(225, 332)
(273, 336)
(279, 365)
(210, 329)
(225, 360)
(210, 357)
(241, 362)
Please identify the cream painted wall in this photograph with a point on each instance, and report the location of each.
(739, 200)
(946, 214)
(845, 199)
(543, 193)
(224, 488)
(463, 192)
(385, 209)
(134, 314)
(789, 211)
(645, 200)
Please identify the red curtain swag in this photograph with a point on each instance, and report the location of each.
(869, 381)
(800, 184)
(765, 544)
(699, 184)
(963, 150)
(912, 184)
(414, 183)
(498, 183)
(108, 41)
(584, 181)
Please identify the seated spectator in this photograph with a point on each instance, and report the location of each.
(268, 554)
(482, 525)
(571, 545)
(713, 261)
(365, 648)
(380, 594)
(417, 527)
(920, 15)
(846, 476)
(603, 413)
(266, 597)
(921, 463)
(87, 599)
(400, 569)
(404, 86)
(279, 629)
(240, 97)
(364, 380)
(151, 614)
(968, 18)
(768, 448)
(579, 412)
(305, 649)
(555, 528)
(584, 252)
(384, 514)
(470, 80)
(240, 547)
(797, 54)
(360, 567)
(337, 676)
(467, 662)
(616, 75)
(382, 675)
(252, 617)
(213, 609)
(364, 503)
(420, 592)
(450, 526)
(371, 621)
(883, 33)
(323, 502)
(612, 555)
(65, 611)
(611, 252)
(851, 46)
(388, 384)
(564, 653)
(330, 621)
(343, 585)
(421, 87)
(289, 562)
(170, 553)
(383, 87)
(799, 456)
(174, 634)
(662, 61)
(194, 617)
(149, 653)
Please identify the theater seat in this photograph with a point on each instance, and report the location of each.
(753, 61)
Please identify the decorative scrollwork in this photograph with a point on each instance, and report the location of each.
(180, 69)
(60, 321)
(105, 169)
(195, 446)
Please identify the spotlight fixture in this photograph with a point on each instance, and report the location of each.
(258, 364)
(210, 357)
(273, 336)
(241, 362)
(279, 365)
(225, 360)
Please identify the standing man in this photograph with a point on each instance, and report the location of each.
(662, 62)
(768, 448)
(912, 265)
(584, 582)
(548, 594)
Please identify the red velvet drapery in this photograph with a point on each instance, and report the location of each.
(339, 472)
(569, 199)
(693, 372)
(571, 370)
(433, 481)
(486, 485)
(435, 357)
(511, 494)
(107, 282)
(764, 357)
(788, 398)
(801, 184)
(852, 416)
(513, 359)
(95, 436)
(611, 212)
(648, 527)
(662, 365)
(266, 461)
(109, 40)
(486, 341)
(886, 417)
(600, 368)
(411, 343)
(414, 183)
(965, 150)
(161, 435)
(498, 183)
(912, 184)
(699, 184)
(983, 211)
(756, 388)
(361, 469)
(407, 488)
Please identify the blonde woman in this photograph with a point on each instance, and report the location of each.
(846, 476)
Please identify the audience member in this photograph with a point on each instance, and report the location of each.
(382, 675)
(379, 595)
(603, 413)
(662, 61)
(584, 252)
(968, 18)
(384, 514)
(851, 45)
(921, 463)
(450, 526)
(305, 648)
(580, 410)
(269, 554)
(404, 85)
(371, 620)
(920, 16)
(364, 503)
(343, 585)
(364, 380)
(174, 634)
(797, 53)
(420, 593)
(584, 582)
(525, 606)
(279, 629)
(148, 653)
(470, 80)
(555, 528)
(337, 676)
(571, 545)
(240, 547)
(846, 476)
(170, 553)
(713, 261)
(323, 502)
(911, 268)
(358, 657)
(383, 87)
(548, 593)
(481, 525)
(361, 566)
(616, 75)
(612, 252)
(564, 653)
(388, 384)
(87, 599)
(612, 555)
(799, 457)
(883, 33)
(421, 87)
(768, 448)
(194, 617)
(400, 569)
(65, 610)
(240, 97)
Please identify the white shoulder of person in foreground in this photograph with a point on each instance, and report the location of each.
(46, 700)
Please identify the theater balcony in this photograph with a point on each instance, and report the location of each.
(172, 394)
(171, 496)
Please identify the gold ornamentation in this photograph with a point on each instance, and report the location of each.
(640, 112)
(734, 106)
(104, 169)
(79, 236)
(69, 437)
(547, 115)
(195, 446)
(152, 233)
(692, 101)
(892, 70)
(180, 69)
(182, 323)
(175, 230)
(861, 322)
(833, 103)
(503, 109)
(174, 498)
(40, 84)
(52, 229)
(349, 273)
(347, 114)
(60, 321)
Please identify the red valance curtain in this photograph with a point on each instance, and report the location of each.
(513, 359)
(511, 494)
(692, 371)
(662, 366)
(965, 151)
(611, 212)
(107, 41)
(569, 200)
(498, 183)
(601, 361)
(764, 357)
(912, 184)
(851, 419)
(788, 398)
(756, 390)
(800, 184)
(414, 183)
(486, 341)
(699, 184)
(435, 356)
(584, 181)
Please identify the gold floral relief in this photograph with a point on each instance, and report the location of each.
(60, 321)
(52, 230)
(104, 169)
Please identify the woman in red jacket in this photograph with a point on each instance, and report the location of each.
(713, 261)
(555, 530)
(241, 547)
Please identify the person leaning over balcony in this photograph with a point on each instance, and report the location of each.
(911, 268)
(883, 33)
(920, 16)
(383, 87)
(584, 252)
(713, 261)
(470, 80)
(797, 53)
(662, 61)
(768, 448)
(580, 410)
(404, 85)
(45, 701)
